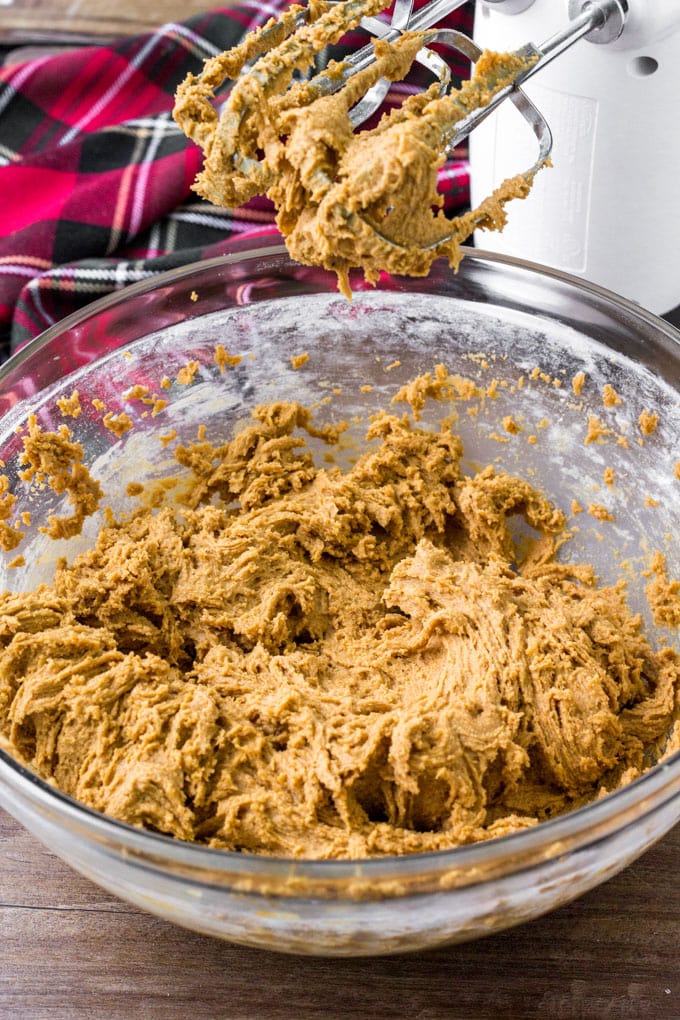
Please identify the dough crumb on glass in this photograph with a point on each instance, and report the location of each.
(648, 422)
(578, 382)
(510, 425)
(70, 406)
(187, 373)
(224, 360)
(610, 398)
(117, 423)
(597, 430)
(600, 512)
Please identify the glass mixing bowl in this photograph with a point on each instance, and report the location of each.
(497, 319)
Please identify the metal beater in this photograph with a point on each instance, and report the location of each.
(609, 210)
(237, 142)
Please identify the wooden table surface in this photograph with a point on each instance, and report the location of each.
(54, 19)
(68, 949)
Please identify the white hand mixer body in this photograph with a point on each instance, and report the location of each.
(609, 209)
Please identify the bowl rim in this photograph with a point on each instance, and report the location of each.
(576, 828)
(243, 249)
(572, 830)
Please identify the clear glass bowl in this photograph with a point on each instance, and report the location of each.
(497, 318)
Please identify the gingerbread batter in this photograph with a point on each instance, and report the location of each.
(314, 663)
(344, 199)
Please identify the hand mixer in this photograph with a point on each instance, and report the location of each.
(609, 210)
(367, 200)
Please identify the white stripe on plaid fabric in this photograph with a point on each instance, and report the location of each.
(145, 124)
(170, 234)
(122, 199)
(90, 281)
(174, 31)
(15, 269)
(199, 44)
(121, 272)
(143, 177)
(220, 222)
(34, 289)
(122, 278)
(239, 227)
(12, 87)
(166, 236)
(153, 247)
(17, 80)
(273, 10)
(83, 278)
(207, 209)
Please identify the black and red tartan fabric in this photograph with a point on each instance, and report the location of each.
(95, 177)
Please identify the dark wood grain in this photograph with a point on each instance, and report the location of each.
(68, 949)
(52, 19)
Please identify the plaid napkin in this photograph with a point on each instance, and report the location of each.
(95, 177)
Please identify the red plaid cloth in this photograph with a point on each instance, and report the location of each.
(95, 177)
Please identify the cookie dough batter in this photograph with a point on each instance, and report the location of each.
(314, 663)
(344, 199)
